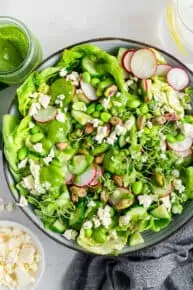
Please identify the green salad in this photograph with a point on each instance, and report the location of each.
(102, 146)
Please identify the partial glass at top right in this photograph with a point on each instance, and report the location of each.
(176, 30)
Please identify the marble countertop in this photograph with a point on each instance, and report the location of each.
(57, 24)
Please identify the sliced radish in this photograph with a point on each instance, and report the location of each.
(98, 175)
(126, 59)
(88, 90)
(171, 117)
(169, 190)
(45, 115)
(162, 69)
(185, 153)
(181, 145)
(178, 78)
(146, 87)
(143, 63)
(86, 178)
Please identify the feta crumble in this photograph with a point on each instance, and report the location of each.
(34, 109)
(28, 182)
(104, 216)
(96, 222)
(87, 225)
(70, 234)
(177, 183)
(74, 77)
(95, 122)
(44, 101)
(166, 202)
(91, 203)
(23, 163)
(105, 102)
(63, 72)
(176, 173)
(22, 202)
(101, 133)
(112, 138)
(38, 147)
(146, 200)
(60, 117)
(124, 220)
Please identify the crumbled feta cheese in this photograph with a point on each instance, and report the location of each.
(104, 216)
(74, 77)
(22, 201)
(34, 109)
(166, 201)
(63, 72)
(96, 222)
(60, 117)
(38, 147)
(70, 234)
(95, 122)
(146, 200)
(91, 203)
(35, 170)
(28, 182)
(177, 183)
(140, 133)
(46, 185)
(59, 102)
(163, 156)
(129, 83)
(129, 124)
(31, 125)
(124, 220)
(61, 97)
(186, 129)
(44, 100)
(101, 133)
(34, 95)
(23, 163)
(87, 225)
(49, 158)
(135, 79)
(105, 102)
(149, 124)
(176, 173)
(112, 138)
(188, 107)
(118, 94)
(120, 130)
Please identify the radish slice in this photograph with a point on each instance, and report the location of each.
(185, 153)
(163, 191)
(126, 59)
(162, 69)
(68, 178)
(181, 145)
(143, 63)
(98, 175)
(170, 188)
(88, 90)
(178, 78)
(86, 178)
(45, 115)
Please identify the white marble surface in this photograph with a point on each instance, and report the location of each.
(59, 23)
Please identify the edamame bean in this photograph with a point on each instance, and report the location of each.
(86, 77)
(34, 130)
(96, 114)
(134, 103)
(105, 117)
(22, 153)
(170, 138)
(37, 137)
(88, 233)
(95, 82)
(180, 137)
(91, 109)
(99, 235)
(137, 187)
(99, 107)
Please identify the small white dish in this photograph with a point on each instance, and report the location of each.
(38, 245)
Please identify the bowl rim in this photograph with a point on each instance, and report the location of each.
(36, 240)
(5, 163)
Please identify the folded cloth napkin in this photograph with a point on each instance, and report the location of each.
(168, 265)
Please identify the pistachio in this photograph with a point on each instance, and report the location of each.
(89, 128)
(159, 179)
(99, 159)
(159, 120)
(104, 196)
(116, 121)
(61, 145)
(124, 203)
(111, 91)
(118, 180)
(77, 192)
(141, 120)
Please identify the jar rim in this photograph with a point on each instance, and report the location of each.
(11, 20)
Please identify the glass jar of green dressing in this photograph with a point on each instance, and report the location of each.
(20, 51)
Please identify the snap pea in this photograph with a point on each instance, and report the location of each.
(22, 153)
(99, 235)
(102, 86)
(91, 109)
(105, 117)
(37, 137)
(86, 77)
(137, 187)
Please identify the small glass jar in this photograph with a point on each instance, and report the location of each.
(33, 56)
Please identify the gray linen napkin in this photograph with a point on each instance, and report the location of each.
(168, 265)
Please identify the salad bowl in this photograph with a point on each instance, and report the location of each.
(150, 238)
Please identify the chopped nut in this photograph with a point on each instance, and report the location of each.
(111, 91)
(116, 121)
(158, 120)
(141, 120)
(99, 159)
(61, 145)
(89, 128)
(124, 203)
(159, 178)
(77, 192)
(172, 117)
(74, 198)
(118, 180)
(104, 196)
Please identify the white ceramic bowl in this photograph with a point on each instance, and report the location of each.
(6, 223)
